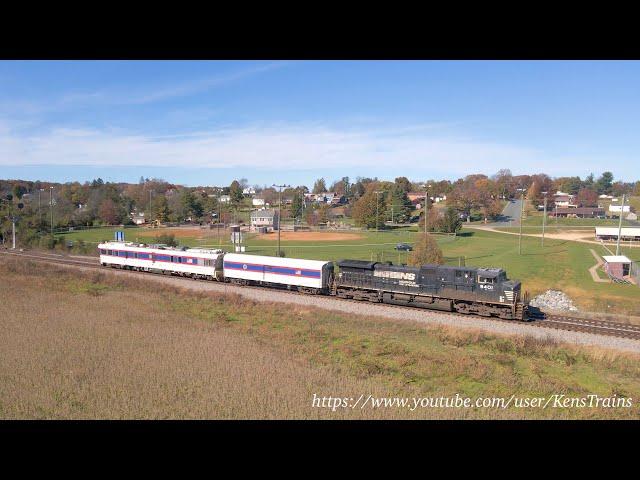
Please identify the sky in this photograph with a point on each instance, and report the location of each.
(290, 122)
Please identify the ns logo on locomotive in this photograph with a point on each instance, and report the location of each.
(479, 291)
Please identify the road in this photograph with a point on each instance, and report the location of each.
(510, 215)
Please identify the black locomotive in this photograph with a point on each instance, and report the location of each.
(481, 291)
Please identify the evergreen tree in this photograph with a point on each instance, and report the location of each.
(605, 183)
(319, 186)
(235, 192)
(399, 204)
(296, 204)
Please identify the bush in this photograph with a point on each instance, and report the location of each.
(167, 239)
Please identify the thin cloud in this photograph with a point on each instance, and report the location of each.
(109, 97)
(279, 147)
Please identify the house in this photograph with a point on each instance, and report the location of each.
(577, 212)
(257, 202)
(564, 200)
(339, 200)
(632, 216)
(265, 218)
(249, 191)
(614, 210)
(224, 198)
(138, 218)
(325, 197)
(416, 197)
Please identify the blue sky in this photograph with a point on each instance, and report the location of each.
(207, 123)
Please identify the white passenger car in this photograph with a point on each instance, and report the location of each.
(193, 262)
(310, 276)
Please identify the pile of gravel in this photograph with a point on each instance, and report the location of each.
(553, 300)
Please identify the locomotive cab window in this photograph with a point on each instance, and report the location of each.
(486, 279)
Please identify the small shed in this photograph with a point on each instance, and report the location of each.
(616, 265)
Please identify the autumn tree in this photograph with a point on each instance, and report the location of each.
(368, 209)
(425, 251)
(108, 212)
(470, 194)
(403, 184)
(433, 220)
(587, 197)
(160, 209)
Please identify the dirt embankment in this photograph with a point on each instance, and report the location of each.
(310, 236)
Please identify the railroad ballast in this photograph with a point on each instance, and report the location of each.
(480, 291)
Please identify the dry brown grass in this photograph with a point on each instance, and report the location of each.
(95, 345)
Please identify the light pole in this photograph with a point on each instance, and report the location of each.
(544, 216)
(620, 226)
(377, 192)
(280, 187)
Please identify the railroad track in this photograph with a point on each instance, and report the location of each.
(539, 320)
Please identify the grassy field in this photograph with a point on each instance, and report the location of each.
(86, 345)
(561, 264)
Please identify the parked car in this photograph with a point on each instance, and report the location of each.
(404, 246)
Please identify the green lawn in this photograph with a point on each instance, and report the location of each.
(560, 264)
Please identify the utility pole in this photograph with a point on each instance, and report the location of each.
(426, 210)
(377, 192)
(13, 227)
(40, 190)
(521, 215)
(280, 187)
(544, 216)
(620, 226)
(51, 207)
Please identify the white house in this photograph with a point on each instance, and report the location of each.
(562, 199)
(258, 202)
(138, 218)
(224, 198)
(266, 217)
(249, 191)
(619, 208)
